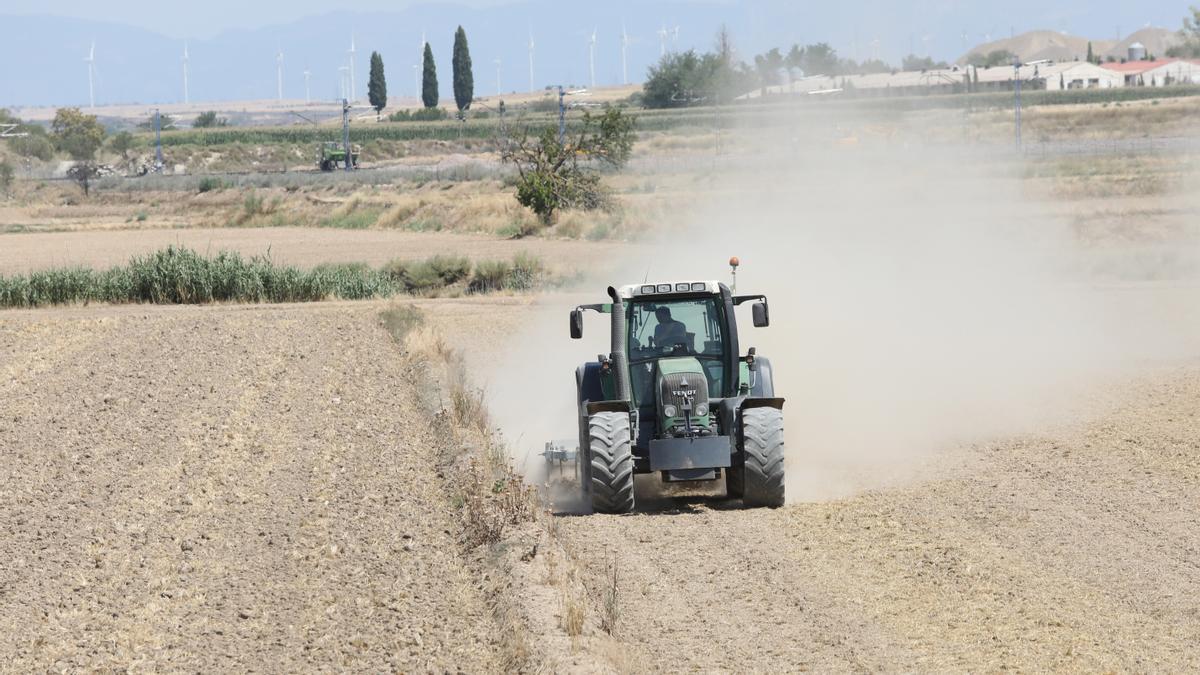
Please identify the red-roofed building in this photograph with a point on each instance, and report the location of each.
(1158, 73)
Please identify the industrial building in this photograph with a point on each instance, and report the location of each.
(1034, 76)
(1157, 73)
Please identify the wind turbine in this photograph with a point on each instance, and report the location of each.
(417, 80)
(307, 75)
(343, 86)
(186, 98)
(592, 59)
(351, 52)
(662, 41)
(531, 87)
(675, 37)
(498, 89)
(91, 63)
(624, 61)
(279, 74)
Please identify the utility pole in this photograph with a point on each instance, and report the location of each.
(346, 135)
(158, 160)
(562, 116)
(498, 89)
(1017, 101)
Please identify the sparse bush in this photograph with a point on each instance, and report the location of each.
(121, 143)
(490, 275)
(34, 145)
(208, 119)
(6, 176)
(525, 273)
(419, 115)
(400, 320)
(552, 176)
(210, 184)
(491, 505)
(429, 275)
(522, 273)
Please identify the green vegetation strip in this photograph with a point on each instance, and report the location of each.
(183, 276)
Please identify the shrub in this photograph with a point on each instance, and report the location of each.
(208, 119)
(556, 174)
(400, 320)
(526, 271)
(34, 145)
(429, 275)
(490, 275)
(210, 184)
(419, 115)
(6, 176)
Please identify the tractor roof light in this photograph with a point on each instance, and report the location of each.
(699, 286)
(682, 288)
(664, 288)
(649, 288)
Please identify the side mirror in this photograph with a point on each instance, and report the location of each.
(576, 324)
(762, 318)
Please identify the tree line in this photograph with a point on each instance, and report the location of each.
(688, 78)
(464, 79)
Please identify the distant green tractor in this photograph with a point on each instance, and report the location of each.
(331, 153)
(675, 397)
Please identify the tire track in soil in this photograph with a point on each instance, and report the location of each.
(216, 488)
(1077, 550)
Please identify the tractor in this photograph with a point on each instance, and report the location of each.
(675, 397)
(332, 153)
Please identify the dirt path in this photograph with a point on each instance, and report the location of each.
(1079, 551)
(224, 488)
(293, 245)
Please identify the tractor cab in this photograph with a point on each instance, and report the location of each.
(677, 384)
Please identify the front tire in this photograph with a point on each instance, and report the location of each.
(610, 462)
(762, 445)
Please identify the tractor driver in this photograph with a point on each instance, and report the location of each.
(668, 332)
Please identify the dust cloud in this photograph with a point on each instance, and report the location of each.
(921, 301)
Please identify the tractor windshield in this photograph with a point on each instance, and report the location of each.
(673, 328)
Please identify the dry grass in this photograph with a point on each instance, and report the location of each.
(573, 613)
(610, 599)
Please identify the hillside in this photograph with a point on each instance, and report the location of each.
(1042, 44)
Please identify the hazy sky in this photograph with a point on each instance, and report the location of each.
(204, 18)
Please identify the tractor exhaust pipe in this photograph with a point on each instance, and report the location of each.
(619, 357)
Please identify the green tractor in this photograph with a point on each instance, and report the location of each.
(676, 397)
(332, 153)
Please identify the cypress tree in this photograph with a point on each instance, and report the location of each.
(464, 80)
(1091, 57)
(377, 85)
(429, 85)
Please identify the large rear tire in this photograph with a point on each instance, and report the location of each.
(610, 462)
(762, 443)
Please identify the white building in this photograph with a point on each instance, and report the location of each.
(1050, 76)
(1181, 71)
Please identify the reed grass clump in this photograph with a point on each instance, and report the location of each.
(181, 276)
